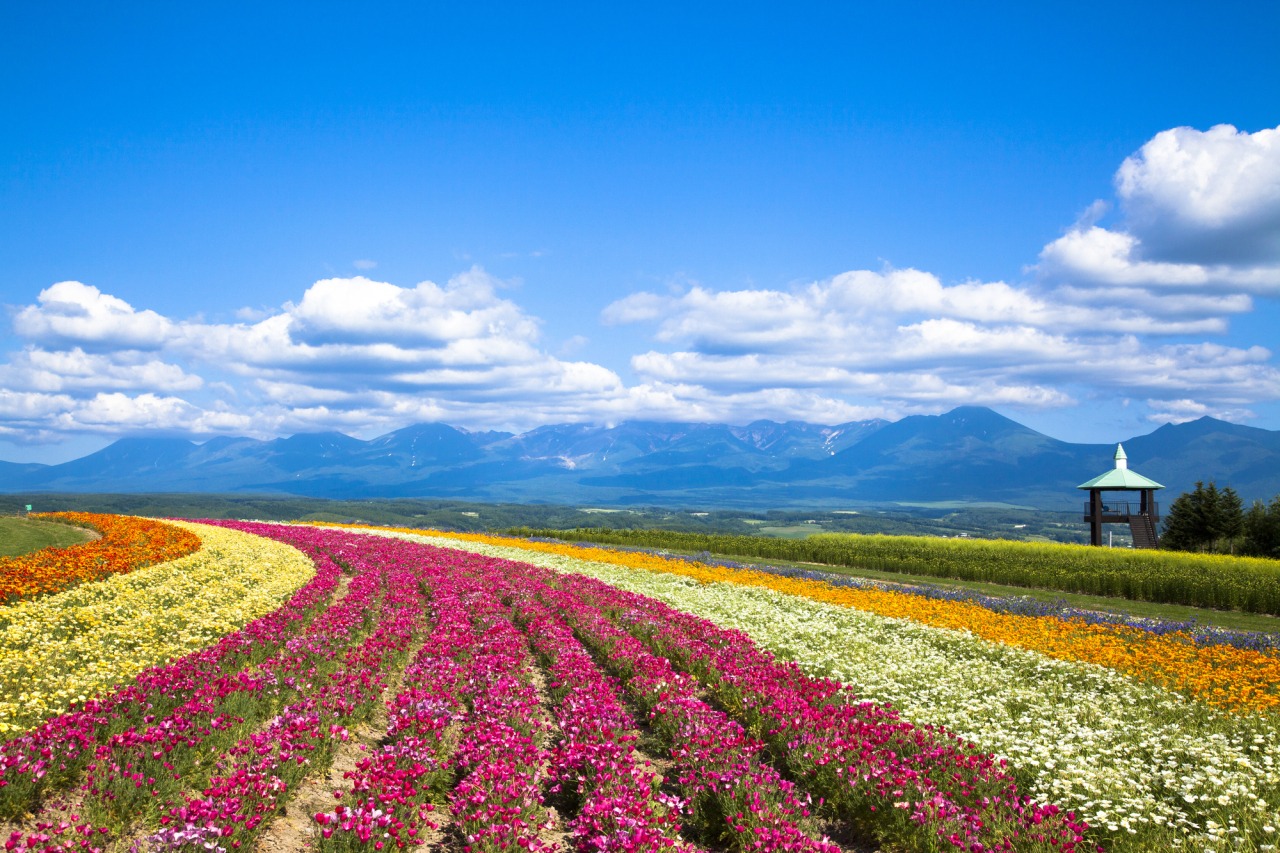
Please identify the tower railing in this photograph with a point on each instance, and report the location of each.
(1122, 510)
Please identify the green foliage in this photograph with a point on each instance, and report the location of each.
(1262, 529)
(1195, 580)
(1205, 519)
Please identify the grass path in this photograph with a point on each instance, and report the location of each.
(23, 535)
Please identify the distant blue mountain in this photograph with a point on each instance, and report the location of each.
(970, 454)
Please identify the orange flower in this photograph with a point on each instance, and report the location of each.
(127, 543)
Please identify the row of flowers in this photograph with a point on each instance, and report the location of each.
(54, 755)
(61, 649)
(1236, 679)
(619, 802)
(1148, 768)
(148, 740)
(125, 544)
(733, 791)
(474, 673)
(721, 770)
(243, 726)
(338, 686)
(472, 678)
(240, 735)
(393, 788)
(872, 766)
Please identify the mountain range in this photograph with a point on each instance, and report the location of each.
(968, 455)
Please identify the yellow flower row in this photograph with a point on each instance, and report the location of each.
(69, 646)
(1223, 676)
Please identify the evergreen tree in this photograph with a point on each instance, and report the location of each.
(1262, 529)
(1184, 523)
(1204, 519)
(1229, 517)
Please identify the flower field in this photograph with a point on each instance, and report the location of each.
(63, 647)
(482, 694)
(126, 544)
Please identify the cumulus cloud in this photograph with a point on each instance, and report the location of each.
(350, 353)
(903, 338)
(74, 369)
(1181, 411)
(1200, 210)
(80, 314)
(1197, 242)
(1205, 197)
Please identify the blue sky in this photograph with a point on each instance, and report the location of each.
(225, 219)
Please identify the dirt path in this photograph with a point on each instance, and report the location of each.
(296, 829)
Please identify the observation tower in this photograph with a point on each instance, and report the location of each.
(1142, 518)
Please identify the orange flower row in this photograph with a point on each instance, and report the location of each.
(127, 543)
(1221, 675)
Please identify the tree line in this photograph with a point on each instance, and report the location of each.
(1212, 520)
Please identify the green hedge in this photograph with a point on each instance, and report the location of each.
(1196, 580)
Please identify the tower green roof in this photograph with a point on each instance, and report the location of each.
(1120, 477)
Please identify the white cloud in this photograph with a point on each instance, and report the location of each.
(75, 370)
(1201, 211)
(26, 407)
(357, 310)
(572, 344)
(635, 308)
(1097, 256)
(1205, 197)
(1181, 411)
(80, 314)
(906, 340)
(115, 412)
(352, 354)
(252, 315)
(364, 264)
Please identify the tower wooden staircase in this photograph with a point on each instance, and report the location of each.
(1144, 531)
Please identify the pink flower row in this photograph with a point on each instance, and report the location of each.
(261, 769)
(901, 782)
(392, 787)
(620, 807)
(56, 753)
(496, 803)
(895, 781)
(720, 766)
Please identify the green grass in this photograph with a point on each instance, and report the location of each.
(24, 535)
(794, 531)
(1233, 619)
